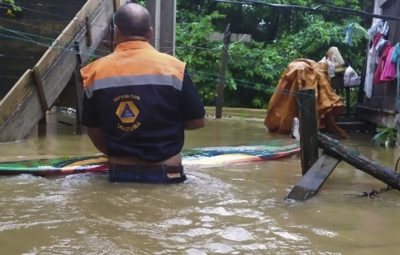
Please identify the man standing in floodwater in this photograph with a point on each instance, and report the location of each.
(138, 102)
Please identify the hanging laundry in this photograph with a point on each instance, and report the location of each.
(354, 30)
(385, 29)
(396, 53)
(351, 78)
(377, 27)
(380, 46)
(379, 30)
(389, 69)
(381, 64)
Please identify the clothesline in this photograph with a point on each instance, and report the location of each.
(317, 9)
(383, 64)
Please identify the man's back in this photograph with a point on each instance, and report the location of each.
(140, 101)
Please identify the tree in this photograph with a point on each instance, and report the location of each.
(280, 35)
(10, 9)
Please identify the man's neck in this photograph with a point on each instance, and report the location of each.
(131, 38)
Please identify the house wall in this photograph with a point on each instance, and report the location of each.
(392, 8)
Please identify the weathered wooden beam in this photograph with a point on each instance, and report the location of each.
(116, 4)
(71, 32)
(21, 108)
(39, 87)
(78, 91)
(315, 177)
(219, 100)
(308, 128)
(361, 162)
(88, 32)
(22, 88)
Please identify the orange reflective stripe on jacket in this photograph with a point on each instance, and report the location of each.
(133, 63)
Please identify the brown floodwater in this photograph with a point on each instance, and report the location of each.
(231, 209)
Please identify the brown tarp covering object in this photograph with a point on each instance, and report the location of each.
(304, 74)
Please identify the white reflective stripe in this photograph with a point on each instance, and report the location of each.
(121, 81)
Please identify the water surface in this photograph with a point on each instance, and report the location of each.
(232, 209)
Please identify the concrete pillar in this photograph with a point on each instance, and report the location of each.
(163, 13)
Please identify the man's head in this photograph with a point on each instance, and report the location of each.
(132, 21)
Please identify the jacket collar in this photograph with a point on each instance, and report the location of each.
(131, 45)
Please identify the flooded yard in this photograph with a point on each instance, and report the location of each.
(231, 209)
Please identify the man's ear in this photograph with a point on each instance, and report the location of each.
(117, 35)
(150, 34)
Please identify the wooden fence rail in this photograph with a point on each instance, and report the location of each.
(22, 108)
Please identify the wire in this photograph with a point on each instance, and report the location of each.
(317, 9)
(48, 41)
(52, 43)
(242, 83)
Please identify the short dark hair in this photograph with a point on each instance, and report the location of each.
(132, 19)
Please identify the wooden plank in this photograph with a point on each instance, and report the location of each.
(29, 111)
(21, 89)
(377, 116)
(19, 114)
(100, 28)
(88, 32)
(23, 119)
(39, 87)
(78, 82)
(116, 4)
(315, 177)
(308, 128)
(359, 161)
(55, 81)
(67, 35)
(79, 100)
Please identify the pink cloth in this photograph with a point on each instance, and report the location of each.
(389, 69)
(382, 61)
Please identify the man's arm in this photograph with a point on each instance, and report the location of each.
(97, 137)
(191, 105)
(92, 121)
(194, 124)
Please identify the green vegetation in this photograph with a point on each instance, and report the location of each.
(279, 37)
(386, 136)
(11, 9)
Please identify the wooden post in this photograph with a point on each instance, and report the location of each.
(219, 101)
(116, 4)
(88, 32)
(79, 91)
(354, 158)
(39, 88)
(20, 109)
(42, 124)
(315, 177)
(308, 128)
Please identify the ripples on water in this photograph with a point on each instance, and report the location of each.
(235, 209)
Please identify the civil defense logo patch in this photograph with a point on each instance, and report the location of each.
(127, 112)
